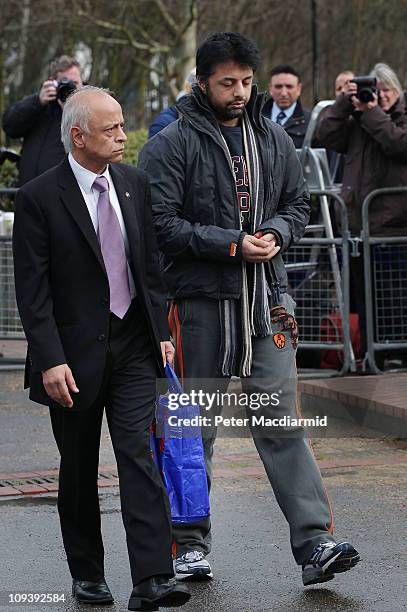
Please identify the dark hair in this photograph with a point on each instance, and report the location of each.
(62, 63)
(285, 69)
(224, 47)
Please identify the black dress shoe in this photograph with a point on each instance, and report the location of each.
(156, 592)
(86, 591)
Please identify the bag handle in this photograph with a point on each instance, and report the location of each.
(174, 384)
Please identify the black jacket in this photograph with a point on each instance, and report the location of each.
(296, 125)
(61, 283)
(195, 205)
(40, 128)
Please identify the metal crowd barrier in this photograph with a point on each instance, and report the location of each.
(10, 324)
(322, 293)
(385, 269)
(11, 330)
(318, 275)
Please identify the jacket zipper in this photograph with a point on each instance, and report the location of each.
(225, 150)
(275, 284)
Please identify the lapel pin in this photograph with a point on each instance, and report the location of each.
(127, 194)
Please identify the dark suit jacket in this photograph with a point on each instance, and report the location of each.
(61, 283)
(296, 125)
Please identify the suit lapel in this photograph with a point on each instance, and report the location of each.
(127, 199)
(72, 198)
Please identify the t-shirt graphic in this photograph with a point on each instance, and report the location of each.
(234, 141)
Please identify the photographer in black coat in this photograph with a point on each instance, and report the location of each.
(37, 119)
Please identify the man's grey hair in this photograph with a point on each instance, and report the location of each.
(62, 63)
(387, 77)
(76, 113)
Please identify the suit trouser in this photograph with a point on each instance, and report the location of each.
(128, 395)
(288, 461)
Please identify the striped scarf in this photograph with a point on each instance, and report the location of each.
(249, 316)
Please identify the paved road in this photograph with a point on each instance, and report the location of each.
(253, 567)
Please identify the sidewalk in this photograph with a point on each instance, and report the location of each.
(14, 350)
(253, 567)
(375, 401)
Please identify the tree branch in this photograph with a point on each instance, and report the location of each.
(193, 16)
(136, 60)
(114, 27)
(167, 17)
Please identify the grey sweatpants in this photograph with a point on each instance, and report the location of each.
(288, 461)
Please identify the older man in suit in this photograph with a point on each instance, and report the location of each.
(93, 309)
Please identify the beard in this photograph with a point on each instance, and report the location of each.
(225, 112)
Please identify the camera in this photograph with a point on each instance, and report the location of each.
(64, 89)
(366, 88)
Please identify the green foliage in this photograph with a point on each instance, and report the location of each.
(8, 174)
(8, 178)
(135, 142)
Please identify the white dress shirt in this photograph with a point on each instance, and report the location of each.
(288, 112)
(85, 179)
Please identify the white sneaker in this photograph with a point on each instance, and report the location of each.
(192, 566)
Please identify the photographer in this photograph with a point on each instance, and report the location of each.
(368, 123)
(373, 136)
(37, 119)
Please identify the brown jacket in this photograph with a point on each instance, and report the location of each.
(375, 144)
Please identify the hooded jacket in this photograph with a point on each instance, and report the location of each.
(195, 205)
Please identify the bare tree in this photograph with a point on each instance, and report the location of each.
(143, 49)
(171, 54)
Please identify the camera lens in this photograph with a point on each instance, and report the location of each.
(365, 95)
(64, 89)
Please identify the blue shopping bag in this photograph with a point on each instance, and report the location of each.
(178, 453)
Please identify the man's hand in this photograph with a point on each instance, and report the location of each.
(48, 92)
(259, 248)
(350, 89)
(167, 352)
(58, 382)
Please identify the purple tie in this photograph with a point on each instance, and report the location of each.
(114, 254)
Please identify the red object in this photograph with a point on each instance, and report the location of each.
(331, 331)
